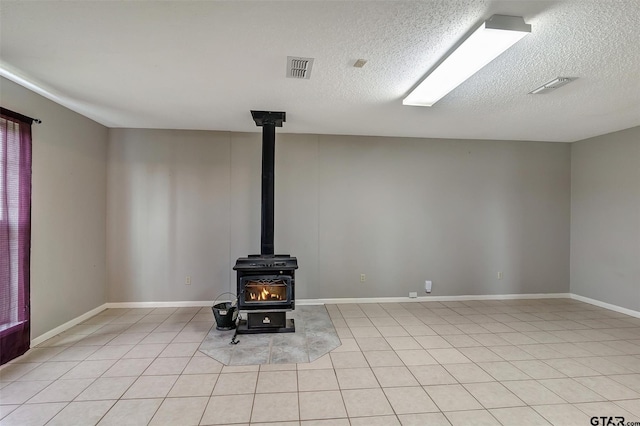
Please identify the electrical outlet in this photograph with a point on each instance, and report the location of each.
(187, 280)
(413, 294)
(363, 278)
(500, 275)
(427, 286)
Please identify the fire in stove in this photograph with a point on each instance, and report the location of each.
(265, 290)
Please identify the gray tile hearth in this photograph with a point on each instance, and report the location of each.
(314, 337)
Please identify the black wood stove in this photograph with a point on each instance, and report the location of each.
(266, 281)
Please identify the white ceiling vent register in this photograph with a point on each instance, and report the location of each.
(298, 67)
(550, 86)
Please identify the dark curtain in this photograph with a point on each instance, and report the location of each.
(15, 233)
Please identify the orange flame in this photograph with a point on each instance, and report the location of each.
(264, 294)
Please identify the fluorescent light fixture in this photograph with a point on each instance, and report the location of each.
(486, 43)
(550, 86)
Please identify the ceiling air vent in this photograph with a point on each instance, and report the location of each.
(550, 86)
(299, 67)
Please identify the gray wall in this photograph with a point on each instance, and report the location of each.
(398, 210)
(180, 203)
(68, 240)
(168, 215)
(605, 218)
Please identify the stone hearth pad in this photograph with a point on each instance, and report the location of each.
(314, 337)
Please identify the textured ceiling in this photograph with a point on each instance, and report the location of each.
(205, 64)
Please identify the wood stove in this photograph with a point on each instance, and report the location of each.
(266, 288)
(266, 281)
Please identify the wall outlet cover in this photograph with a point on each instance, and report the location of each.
(427, 286)
(413, 294)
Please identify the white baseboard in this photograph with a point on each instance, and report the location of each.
(605, 305)
(306, 302)
(67, 325)
(178, 304)
(303, 302)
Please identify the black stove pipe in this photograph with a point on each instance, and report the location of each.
(268, 121)
(268, 190)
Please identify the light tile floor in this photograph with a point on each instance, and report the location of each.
(517, 362)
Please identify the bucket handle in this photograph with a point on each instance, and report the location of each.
(234, 302)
